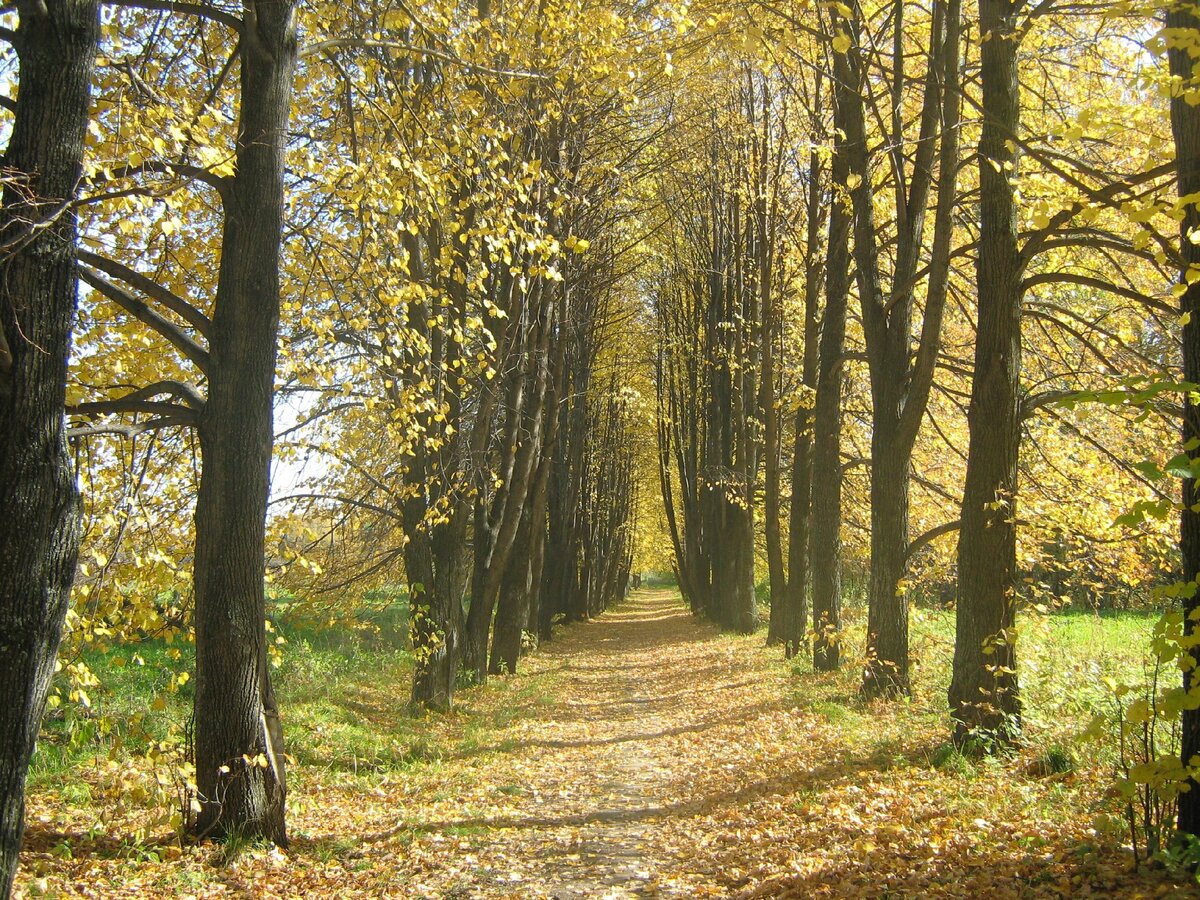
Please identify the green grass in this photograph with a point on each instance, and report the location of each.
(343, 691)
(1064, 659)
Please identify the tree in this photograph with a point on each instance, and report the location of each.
(238, 750)
(983, 692)
(56, 43)
(901, 375)
(1181, 19)
(825, 540)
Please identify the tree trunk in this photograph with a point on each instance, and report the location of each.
(825, 542)
(504, 521)
(795, 603)
(1185, 126)
(742, 615)
(436, 561)
(777, 632)
(899, 392)
(39, 528)
(536, 580)
(887, 621)
(238, 742)
(512, 611)
(983, 692)
(524, 573)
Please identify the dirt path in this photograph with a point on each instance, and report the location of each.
(632, 680)
(648, 705)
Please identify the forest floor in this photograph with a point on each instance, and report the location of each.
(641, 754)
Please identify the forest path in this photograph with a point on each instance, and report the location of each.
(630, 682)
(607, 782)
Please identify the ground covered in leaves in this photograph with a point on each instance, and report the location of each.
(640, 754)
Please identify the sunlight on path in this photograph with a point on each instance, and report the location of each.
(638, 694)
(643, 754)
(633, 681)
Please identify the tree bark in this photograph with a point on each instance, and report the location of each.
(825, 541)
(39, 529)
(238, 741)
(512, 611)
(983, 693)
(1185, 127)
(523, 574)
(794, 623)
(435, 559)
(899, 383)
(503, 520)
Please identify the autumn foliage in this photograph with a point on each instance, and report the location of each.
(420, 331)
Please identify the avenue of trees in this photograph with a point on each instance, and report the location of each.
(502, 303)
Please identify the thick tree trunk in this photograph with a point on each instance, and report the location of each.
(39, 535)
(1185, 125)
(238, 742)
(983, 692)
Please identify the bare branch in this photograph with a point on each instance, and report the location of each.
(132, 404)
(151, 289)
(320, 414)
(143, 313)
(340, 498)
(919, 543)
(1034, 402)
(178, 389)
(125, 430)
(1098, 284)
(218, 183)
(200, 10)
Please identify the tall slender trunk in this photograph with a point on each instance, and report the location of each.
(825, 542)
(435, 558)
(536, 578)
(766, 210)
(887, 620)
(524, 568)
(795, 603)
(512, 612)
(899, 392)
(1185, 126)
(238, 741)
(39, 528)
(983, 692)
(504, 523)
